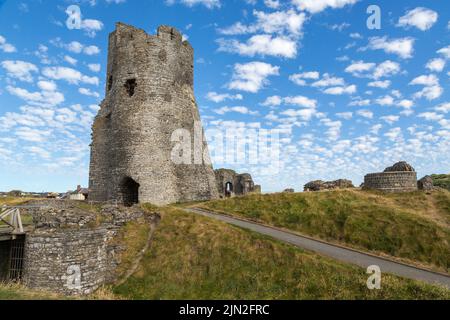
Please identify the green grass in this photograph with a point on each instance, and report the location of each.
(193, 257)
(441, 180)
(412, 226)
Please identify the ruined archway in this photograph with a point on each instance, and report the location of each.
(130, 192)
(228, 189)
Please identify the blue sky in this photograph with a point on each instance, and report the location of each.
(347, 100)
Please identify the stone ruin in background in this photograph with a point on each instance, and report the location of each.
(230, 183)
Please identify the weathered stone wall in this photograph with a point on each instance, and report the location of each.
(149, 95)
(401, 181)
(54, 258)
(241, 184)
(74, 251)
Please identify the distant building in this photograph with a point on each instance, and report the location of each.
(80, 194)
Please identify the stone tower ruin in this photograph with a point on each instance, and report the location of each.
(149, 95)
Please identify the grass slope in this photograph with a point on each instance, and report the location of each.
(414, 226)
(441, 180)
(194, 257)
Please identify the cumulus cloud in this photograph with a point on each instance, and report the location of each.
(380, 84)
(94, 67)
(217, 97)
(373, 70)
(436, 65)
(210, 4)
(341, 90)
(316, 6)
(18, 69)
(263, 45)
(70, 75)
(47, 97)
(272, 101)
(90, 26)
(252, 76)
(403, 47)
(280, 22)
(300, 78)
(421, 18)
(432, 89)
(238, 109)
(5, 46)
(88, 92)
(76, 47)
(445, 52)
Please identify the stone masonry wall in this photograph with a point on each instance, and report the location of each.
(72, 250)
(401, 181)
(149, 95)
(74, 262)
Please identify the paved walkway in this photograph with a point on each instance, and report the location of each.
(339, 253)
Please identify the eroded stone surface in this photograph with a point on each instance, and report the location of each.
(149, 95)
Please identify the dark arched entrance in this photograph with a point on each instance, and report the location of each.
(130, 192)
(228, 189)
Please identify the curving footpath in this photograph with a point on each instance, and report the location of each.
(334, 251)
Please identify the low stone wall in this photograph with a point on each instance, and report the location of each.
(73, 251)
(73, 262)
(401, 181)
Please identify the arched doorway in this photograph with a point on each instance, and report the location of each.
(130, 192)
(228, 189)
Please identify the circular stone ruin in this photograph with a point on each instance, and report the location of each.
(401, 177)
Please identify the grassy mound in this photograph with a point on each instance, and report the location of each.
(441, 180)
(414, 226)
(193, 257)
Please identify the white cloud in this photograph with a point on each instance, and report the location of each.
(70, 60)
(33, 135)
(301, 101)
(88, 92)
(216, 97)
(19, 69)
(299, 78)
(425, 80)
(263, 44)
(445, 52)
(403, 47)
(44, 98)
(436, 65)
(316, 6)
(90, 26)
(94, 67)
(272, 101)
(345, 115)
(39, 152)
(273, 4)
(341, 90)
(327, 80)
(390, 119)
(70, 75)
(430, 116)
(421, 18)
(47, 85)
(279, 22)
(385, 101)
(5, 46)
(210, 4)
(443, 107)
(238, 109)
(380, 84)
(365, 113)
(91, 50)
(252, 76)
(372, 70)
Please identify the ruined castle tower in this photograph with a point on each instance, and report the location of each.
(149, 95)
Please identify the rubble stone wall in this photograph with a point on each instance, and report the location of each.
(401, 181)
